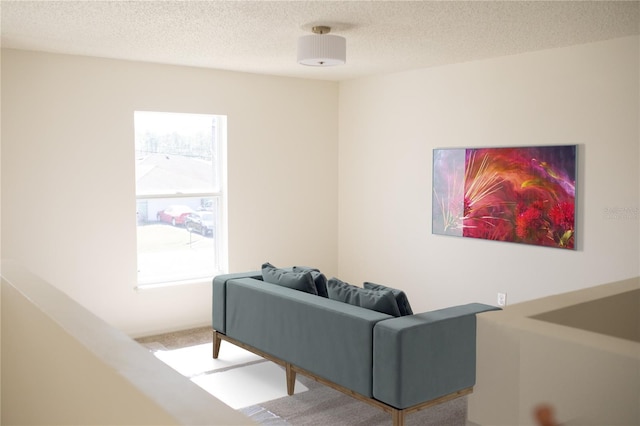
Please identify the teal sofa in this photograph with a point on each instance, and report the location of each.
(399, 364)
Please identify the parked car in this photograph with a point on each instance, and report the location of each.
(201, 221)
(175, 215)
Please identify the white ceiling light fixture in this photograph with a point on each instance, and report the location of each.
(322, 49)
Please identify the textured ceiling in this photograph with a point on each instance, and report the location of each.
(260, 36)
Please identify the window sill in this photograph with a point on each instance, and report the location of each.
(180, 283)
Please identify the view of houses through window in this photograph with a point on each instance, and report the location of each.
(179, 196)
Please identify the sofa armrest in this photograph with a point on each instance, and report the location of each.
(418, 358)
(219, 297)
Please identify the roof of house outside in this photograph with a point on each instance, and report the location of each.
(172, 174)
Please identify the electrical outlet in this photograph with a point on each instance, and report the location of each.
(502, 299)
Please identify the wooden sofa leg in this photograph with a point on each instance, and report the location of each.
(216, 344)
(291, 379)
(397, 417)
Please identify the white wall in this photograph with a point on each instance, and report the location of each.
(68, 187)
(68, 210)
(61, 365)
(389, 125)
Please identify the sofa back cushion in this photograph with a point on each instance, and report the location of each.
(302, 280)
(377, 300)
(401, 297)
(319, 279)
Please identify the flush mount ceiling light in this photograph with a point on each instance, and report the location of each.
(321, 49)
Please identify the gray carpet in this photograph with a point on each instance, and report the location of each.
(322, 405)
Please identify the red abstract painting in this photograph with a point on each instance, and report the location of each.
(522, 195)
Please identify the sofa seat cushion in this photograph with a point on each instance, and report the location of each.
(302, 280)
(377, 300)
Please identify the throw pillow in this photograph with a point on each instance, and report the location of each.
(377, 300)
(319, 279)
(401, 297)
(302, 281)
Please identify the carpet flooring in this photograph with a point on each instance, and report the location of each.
(256, 387)
(321, 405)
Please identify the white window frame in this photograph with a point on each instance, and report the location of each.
(220, 240)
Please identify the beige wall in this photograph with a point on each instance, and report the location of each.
(357, 205)
(62, 365)
(588, 377)
(389, 125)
(617, 315)
(68, 183)
(0, 231)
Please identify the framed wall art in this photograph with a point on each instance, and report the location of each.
(516, 194)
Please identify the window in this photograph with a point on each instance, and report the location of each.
(180, 196)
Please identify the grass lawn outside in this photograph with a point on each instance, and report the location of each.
(171, 253)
